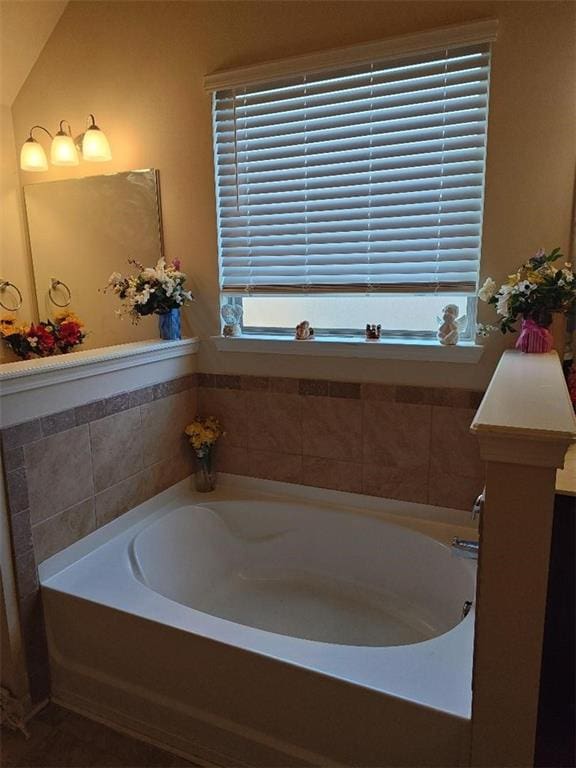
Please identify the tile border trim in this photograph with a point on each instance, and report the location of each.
(24, 432)
(415, 395)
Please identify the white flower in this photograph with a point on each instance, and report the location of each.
(503, 296)
(488, 290)
(485, 330)
(524, 286)
(143, 296)
(115, 278)
(169, 285)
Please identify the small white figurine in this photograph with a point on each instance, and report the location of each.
(450, 325)
(304, 332)
(232, 315)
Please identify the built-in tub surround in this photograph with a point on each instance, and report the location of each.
(276, 625)
(71, 472)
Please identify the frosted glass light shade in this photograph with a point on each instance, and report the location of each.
(95, 147)
(32, 156)
(63, 150)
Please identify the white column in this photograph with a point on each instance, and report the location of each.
(524, 425)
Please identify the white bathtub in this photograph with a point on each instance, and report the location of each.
(302, 628)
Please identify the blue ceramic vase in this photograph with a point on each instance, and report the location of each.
(169, 325)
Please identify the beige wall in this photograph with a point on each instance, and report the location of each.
(139, 67)
(15, 264)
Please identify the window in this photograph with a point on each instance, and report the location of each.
(354, 194)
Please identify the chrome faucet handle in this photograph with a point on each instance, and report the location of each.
(478, 505)
(465, 547)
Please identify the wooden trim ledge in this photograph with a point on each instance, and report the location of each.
(32, 374)
(32, 389)
(470, 33)
(527, 399)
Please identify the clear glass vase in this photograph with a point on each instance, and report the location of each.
(205, 477)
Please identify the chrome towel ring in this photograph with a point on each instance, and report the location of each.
(4, 284)
(54, 284)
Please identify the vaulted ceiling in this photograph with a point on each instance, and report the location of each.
(25, 26)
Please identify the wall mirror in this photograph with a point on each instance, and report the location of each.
(82, 230)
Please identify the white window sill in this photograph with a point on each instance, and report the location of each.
(406, 349)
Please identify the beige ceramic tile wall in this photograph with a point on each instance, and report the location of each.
(71, 472)
(397, 442)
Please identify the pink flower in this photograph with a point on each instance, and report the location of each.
(176, 263)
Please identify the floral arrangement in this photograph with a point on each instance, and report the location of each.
(203, 434)
(153, 290)
(536, 290)
(45, 338)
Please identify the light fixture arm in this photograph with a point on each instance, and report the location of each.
(42, 129)
(61, 131)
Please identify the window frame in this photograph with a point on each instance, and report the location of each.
(484, 31)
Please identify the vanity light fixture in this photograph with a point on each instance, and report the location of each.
(32, 155)
(95, 146)
(64, 149)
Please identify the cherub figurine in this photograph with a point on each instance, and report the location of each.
(373, 332)
(232, 315)
(304, 332)
(450, 325)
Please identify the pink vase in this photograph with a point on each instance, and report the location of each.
(534, 337)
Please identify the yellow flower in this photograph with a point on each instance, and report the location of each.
(8, 326)
(66, 316)
(203, 432)
(534, 277)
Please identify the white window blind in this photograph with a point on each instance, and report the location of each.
(368, 179)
